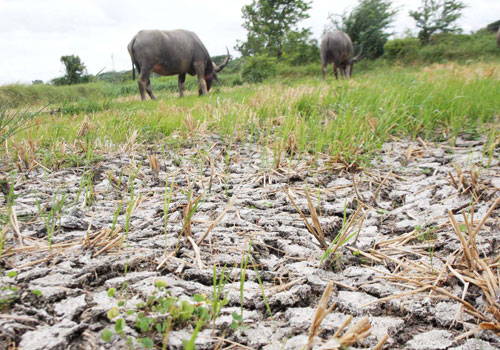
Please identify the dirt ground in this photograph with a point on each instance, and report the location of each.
(402, 245)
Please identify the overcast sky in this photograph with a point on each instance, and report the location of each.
(34, 34)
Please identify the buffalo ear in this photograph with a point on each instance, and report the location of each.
(216, 79)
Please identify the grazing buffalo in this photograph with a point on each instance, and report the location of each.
(498, 37)
(170, 52)
(336, 47)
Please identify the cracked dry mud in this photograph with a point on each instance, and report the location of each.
(71, 311)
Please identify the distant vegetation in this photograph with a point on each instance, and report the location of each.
(76, 72)
(444, 47)
(286, 50)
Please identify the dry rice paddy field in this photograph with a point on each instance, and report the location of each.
(294, 214)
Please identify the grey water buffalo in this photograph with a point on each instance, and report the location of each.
(336, 47)
(171, 52)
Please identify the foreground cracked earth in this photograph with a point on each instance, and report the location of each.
(406, 192)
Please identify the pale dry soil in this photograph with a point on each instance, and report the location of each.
(74, 279)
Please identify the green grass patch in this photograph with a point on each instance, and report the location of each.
(350, 119)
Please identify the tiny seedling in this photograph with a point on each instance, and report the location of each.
(429, 236)
(9, 292)
(188, 212)
(254, 265)
(87, 188)
(238, 318)
(217, 302)
(116, 215)
(155, 317)
(166, 205)
(131, 204)
(80, 188)
(53, 215)
(344, 234)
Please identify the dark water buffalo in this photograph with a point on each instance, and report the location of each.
(171, 52)
(336, 47)
(498, 37)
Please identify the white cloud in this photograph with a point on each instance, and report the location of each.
(51, 16)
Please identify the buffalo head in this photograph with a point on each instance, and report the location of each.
(351, 62)
(212, 75)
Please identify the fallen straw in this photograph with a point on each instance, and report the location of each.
(321, 313)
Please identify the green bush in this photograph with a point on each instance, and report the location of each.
(444, 47)
(233, 66)
(232, 79)
(406, 48)
(113, 77)
(302, 54)
(258, 68)
(299, 50)
(447, 46)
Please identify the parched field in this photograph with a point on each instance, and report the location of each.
(281, 216)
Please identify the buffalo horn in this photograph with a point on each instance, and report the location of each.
(356, 59)
(223, 64)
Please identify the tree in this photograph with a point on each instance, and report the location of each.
(75, 71)
(269, 24)
(367, 25)
(437, 16)
(299, 48)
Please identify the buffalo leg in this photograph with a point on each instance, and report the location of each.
(335, 71)
(323, 70)
(150, 90)
(180, 83)
(344, 72)
(143, 82)
(142, 88)
(200, 73)
(203, 85)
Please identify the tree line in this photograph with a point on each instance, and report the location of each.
(272, 26)
(274, 34)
